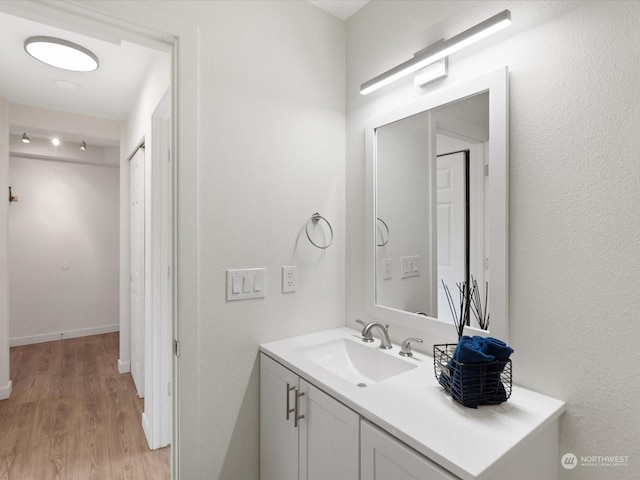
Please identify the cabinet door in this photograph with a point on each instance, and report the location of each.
(384, 457)
(278, 436)
(329, 431)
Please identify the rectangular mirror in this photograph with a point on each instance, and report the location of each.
(437, 190)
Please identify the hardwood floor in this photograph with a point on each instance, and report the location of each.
(73, 416)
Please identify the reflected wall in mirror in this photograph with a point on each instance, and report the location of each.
(437, 204)
(430, 192)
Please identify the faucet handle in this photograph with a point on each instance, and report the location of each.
(366, 335)
(405, 350)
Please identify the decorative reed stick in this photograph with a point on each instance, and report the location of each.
(458, 321)
(470, 300)
(482, 314)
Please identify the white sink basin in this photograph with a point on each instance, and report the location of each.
(355, 362)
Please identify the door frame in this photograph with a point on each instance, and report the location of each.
(151, 27)
(156, 417)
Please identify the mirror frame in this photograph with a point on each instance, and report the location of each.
(497, 84)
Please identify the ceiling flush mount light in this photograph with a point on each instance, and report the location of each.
(439, 50)
(83, 146)
(55, 141)
(61, 54)
(25, 138)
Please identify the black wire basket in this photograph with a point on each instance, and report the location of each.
(472, 384)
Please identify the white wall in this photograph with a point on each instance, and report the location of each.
(272, 138)
(574, 176)
(268, 152)
(63, 244)
(5, 382)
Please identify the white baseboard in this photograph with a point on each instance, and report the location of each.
(124, 367)
(5, 392)
(50, 337)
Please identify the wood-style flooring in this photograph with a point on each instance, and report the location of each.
(73, 416)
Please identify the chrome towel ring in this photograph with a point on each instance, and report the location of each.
(384, 242)
(315, 218)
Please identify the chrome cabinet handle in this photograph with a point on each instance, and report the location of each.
(297, 409)
(289, 409)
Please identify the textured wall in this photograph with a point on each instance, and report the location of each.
(574, 176)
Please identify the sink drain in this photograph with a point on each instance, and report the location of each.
(362, 385)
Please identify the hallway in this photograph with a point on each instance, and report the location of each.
(73, 416)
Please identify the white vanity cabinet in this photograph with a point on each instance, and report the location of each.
(304, 433)
(400, 426)
(384, 457)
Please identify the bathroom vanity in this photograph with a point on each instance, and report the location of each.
(337, 408)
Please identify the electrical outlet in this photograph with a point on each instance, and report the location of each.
(289, 279)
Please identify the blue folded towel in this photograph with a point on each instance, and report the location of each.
(475, 378)
(497, 348)
(471, 350)
(494, 390)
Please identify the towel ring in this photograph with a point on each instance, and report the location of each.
(315, 218)
(384, 242)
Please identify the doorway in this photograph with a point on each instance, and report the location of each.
(452, 185)
(153, 27)
(158, 370)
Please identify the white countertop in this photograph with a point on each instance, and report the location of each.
(413, 407)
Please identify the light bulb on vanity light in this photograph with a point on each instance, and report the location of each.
(25, 138)
(55, 141)
(83, 146)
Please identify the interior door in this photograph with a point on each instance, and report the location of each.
(137, 232)
(452, 227)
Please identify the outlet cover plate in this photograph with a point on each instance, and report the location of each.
(289, 279)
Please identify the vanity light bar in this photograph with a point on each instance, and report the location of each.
(439, 50)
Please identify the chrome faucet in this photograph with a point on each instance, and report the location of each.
(385, 341)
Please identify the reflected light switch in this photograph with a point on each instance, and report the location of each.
(410, 266)
(387, 269)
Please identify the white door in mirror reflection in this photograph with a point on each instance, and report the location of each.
(451, 182)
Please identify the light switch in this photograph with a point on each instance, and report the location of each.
(237, 285)
(246, 283)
